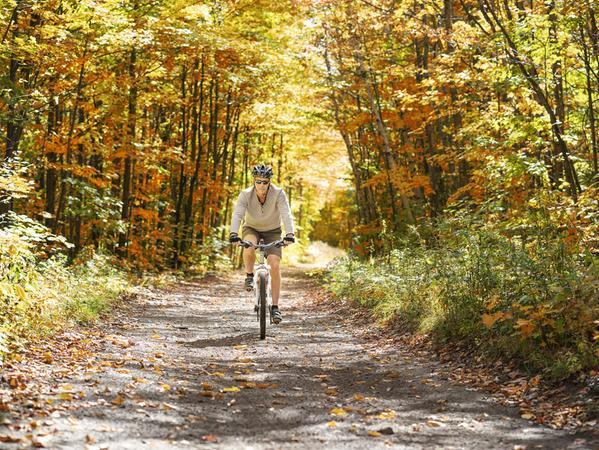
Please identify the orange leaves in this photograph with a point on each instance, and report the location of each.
(358, 121)
(525, 327)
(490, 319)
(146, 214)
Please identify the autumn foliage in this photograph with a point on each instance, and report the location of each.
(461, 127)
(135, 124)
(470, 127)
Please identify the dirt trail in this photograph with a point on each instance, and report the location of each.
(185, 369)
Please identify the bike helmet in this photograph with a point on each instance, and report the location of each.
(263, 171)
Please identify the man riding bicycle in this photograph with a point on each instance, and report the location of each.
(263, 206)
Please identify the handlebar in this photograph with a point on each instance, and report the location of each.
(248, 244)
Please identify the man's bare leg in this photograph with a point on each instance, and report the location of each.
(274, 262)
(249, 254)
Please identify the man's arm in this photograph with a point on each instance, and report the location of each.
(285, 211)
(238, 213)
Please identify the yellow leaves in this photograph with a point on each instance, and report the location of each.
(231, 389)
(65, 396)
(374, 434)
(165, 387)
(331, 424)
(195, 12)
(340, 412)
(387, 415)
(358, 397)
(20, 292)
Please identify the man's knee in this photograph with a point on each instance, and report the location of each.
(274, 262)
(252, 238)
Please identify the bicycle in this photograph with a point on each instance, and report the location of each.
(262, 288)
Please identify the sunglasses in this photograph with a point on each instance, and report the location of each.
(261, 181)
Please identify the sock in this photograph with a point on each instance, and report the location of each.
(250, 274)
(275, 307)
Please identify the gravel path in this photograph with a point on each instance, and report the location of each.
(184, 368)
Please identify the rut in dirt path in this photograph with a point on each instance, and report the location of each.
(186, 369)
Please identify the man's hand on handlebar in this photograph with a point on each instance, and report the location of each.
(289, 238)
(234, 237)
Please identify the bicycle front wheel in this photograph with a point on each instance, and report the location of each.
(263, 306)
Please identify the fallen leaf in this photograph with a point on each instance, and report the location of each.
(374, 434)
(231, 389)
(434, 423)
(332, 424)
(118, 400)
(40, 441)
(338, 412)
(387, 415)
(210, 438)
(358, 397)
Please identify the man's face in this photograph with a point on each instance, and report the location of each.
(261, 184)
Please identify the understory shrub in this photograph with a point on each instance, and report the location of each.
(41, 292)
(535, 301)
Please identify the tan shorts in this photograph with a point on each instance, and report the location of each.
(268, 236)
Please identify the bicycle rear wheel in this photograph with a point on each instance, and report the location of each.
(262, 282)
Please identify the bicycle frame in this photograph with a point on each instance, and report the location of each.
(262, 271)
(262, 267)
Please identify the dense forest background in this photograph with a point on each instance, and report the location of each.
(131, 126)
(449, 145)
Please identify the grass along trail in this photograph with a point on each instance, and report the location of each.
(184, 368)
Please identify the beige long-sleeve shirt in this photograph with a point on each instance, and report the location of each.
(262, 217)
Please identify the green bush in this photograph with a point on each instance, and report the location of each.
(42, 294)
(531, 300)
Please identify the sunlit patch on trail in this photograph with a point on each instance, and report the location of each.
(315, 256)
